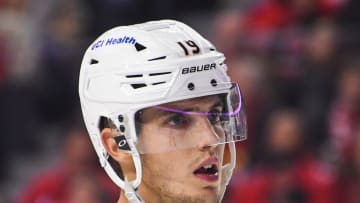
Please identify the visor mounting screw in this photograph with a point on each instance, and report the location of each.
(122, 128)
(213, 82)
(121, 118)
(191, 86)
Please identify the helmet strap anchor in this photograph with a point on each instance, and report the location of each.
(131, 193)
(122, 143)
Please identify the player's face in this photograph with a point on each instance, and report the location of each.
(186, 174)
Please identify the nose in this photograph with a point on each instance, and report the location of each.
(208, 138)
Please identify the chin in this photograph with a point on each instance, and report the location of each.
(206, 194)
(190, 193)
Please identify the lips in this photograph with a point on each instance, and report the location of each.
(208, 170)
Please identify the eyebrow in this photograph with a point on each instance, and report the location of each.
(178, 108)
(187, 111)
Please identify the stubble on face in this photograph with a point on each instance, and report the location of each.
(167, 182)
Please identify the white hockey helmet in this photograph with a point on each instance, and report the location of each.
(129, 68)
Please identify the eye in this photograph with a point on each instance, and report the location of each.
(215, 117)
(178, 121)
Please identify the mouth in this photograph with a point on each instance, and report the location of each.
(208, 170)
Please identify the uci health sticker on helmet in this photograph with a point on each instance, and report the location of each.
(113, 41)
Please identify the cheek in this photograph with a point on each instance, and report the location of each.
(155, 139)
(172, 166)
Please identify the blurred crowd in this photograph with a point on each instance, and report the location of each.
(297, 63)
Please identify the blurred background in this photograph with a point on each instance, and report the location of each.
(297, 63)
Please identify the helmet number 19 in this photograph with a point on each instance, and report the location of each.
(189, 45)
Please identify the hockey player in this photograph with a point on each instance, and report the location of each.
(161, 110)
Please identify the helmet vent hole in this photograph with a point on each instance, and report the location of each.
(93, 61)
(139, 47)
(162, 73)
(120, 118)
(159, 83)
(191, 86)
(134, 76)
(213, 83)
(138, 85)
(157, 58)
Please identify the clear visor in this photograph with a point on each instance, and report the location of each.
(192, 123)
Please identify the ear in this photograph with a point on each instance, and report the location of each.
(108, 141)
(123, 157)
